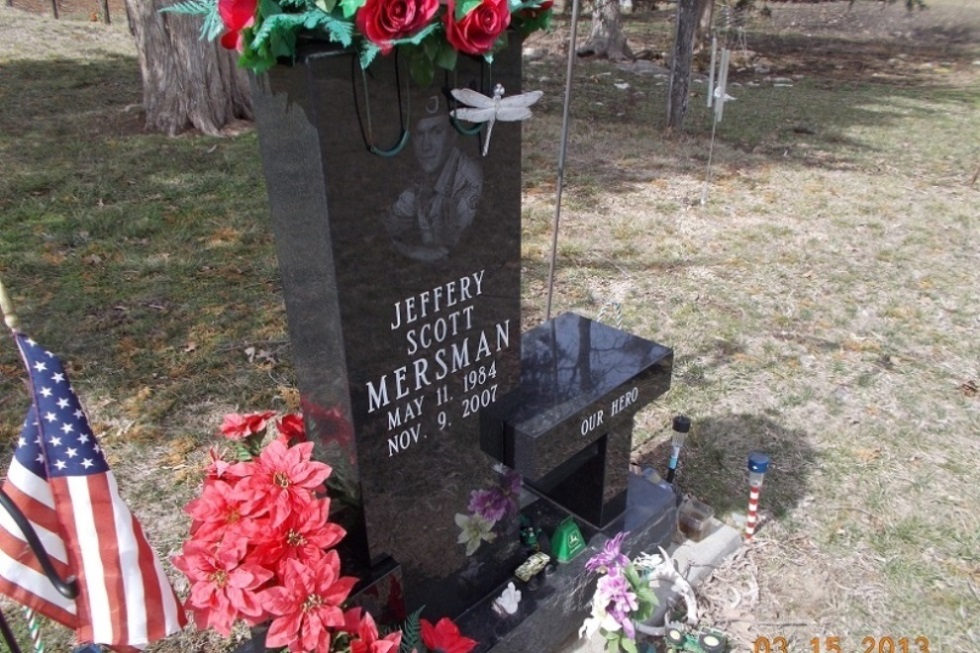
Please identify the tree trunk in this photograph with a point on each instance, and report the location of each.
(607, 38)
(705, 17)
(680, 65)
(187, 82)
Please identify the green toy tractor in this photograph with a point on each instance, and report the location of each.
(705, 642)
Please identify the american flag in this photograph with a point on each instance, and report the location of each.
(60, 480)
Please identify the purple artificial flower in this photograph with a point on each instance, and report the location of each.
(617, 594)
(511, 485)
(491, 505)
(610, 558)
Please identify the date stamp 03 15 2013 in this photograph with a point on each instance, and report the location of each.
(885, 644)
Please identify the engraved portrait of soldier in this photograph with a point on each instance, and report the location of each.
(429, 217)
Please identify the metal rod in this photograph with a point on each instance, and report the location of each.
(562, 151)
(8, 635)
(711, 71)
(66, 587)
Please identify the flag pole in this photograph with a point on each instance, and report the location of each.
(7, 308)
(562, 152)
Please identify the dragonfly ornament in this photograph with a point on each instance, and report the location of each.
(491, 109)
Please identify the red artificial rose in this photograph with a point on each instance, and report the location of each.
(478, 30)
(383, 21)
(236, 15)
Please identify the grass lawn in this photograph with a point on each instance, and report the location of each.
(823, 300)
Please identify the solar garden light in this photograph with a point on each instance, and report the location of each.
(682, 425)
(758, 465)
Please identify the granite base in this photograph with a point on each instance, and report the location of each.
(555, 603)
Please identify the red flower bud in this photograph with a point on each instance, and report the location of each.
(383, 21)
(478, 30)
(236, 16)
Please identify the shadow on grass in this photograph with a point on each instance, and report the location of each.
(714, 462)
(64, 96)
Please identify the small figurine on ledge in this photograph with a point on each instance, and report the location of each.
(530, 536)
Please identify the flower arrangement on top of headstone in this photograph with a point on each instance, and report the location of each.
(430, 32)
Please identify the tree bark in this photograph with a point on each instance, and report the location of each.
(706, 15)
(680, 65)
(607, 38)
(187, 82)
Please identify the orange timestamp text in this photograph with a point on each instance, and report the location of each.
(835, 645)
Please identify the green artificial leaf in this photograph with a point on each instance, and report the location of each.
(465, 7)
(268, 8)
(418, 37)
(646, 593)
(411, 633)
(521, 6)
(632, 577)
(643, 612)
(431, 47)
(326, 5)
(259, 60)
(628, 645)
(368, 53)
(212, 25)
(191, 7)
(268, 27)
(339, 31)
(421, 69)
(283, 45)
(446, 57)
(241, 451)
(350, 7)
(528, 24)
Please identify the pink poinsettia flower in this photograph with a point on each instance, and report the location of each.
(303, 535)
(223, 587)
(218, 467)
(236, 15)
(445, 637)
(364, 634)
(306, 606)
(222, 512)
(291, 429)
(239, 426)
(285, 478)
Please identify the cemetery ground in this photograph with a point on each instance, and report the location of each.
(823, 302)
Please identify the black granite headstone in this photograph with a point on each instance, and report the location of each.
(400, 262)
(401, 276)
